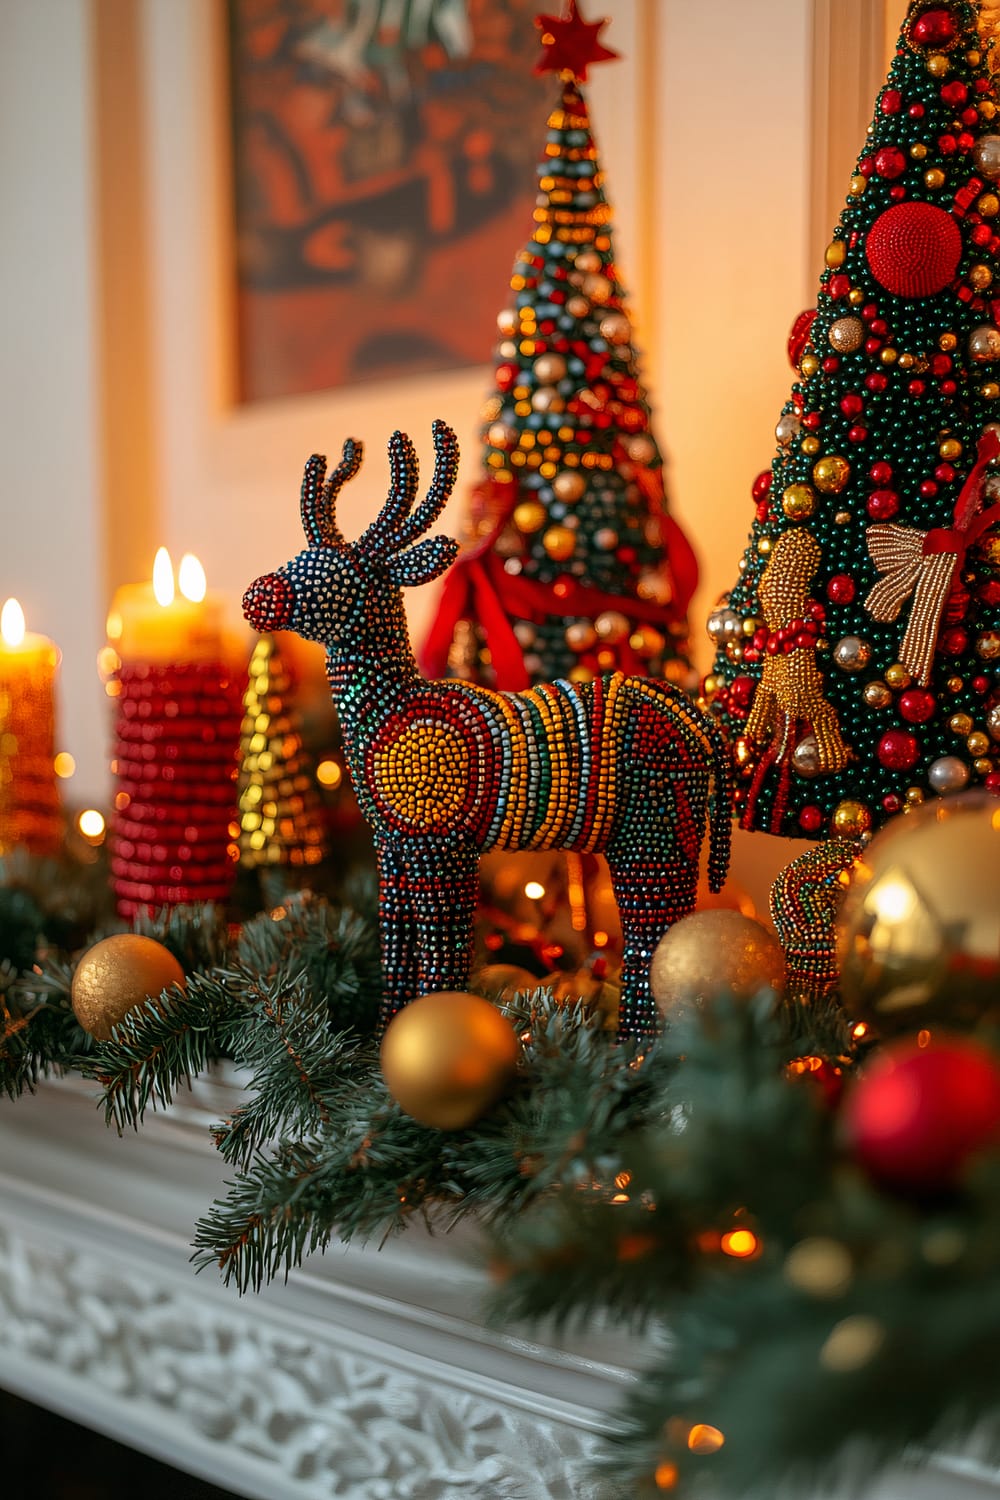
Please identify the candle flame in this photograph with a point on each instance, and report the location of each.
(163, 577)
(12, 623)
(191, 578)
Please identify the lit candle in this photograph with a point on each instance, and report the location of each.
(179, 697)
(29, 802)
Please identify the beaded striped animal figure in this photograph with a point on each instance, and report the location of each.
(446, 770)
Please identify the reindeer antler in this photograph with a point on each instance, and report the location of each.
(395, 527)
(319, 499)
(404, 476)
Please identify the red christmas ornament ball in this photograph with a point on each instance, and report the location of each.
(914, 249)
(890, 162)
(935, 28)
(898, 750)
(917, 705)
(917, 1114)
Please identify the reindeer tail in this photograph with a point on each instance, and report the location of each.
(720, 808)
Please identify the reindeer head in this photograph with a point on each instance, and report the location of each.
(335, 590)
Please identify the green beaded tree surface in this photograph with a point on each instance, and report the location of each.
(857, 655)
(574, 565)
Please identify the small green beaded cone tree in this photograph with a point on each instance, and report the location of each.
(574, 565)
(856, 665)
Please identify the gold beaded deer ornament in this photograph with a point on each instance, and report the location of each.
(444, 770)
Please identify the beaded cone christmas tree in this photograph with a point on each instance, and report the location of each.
(857, 654)
(280, 813)
(574, 564)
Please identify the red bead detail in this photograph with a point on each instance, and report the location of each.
(917, 387)
(838, 286)
(840, 589)
(940, 364)
(914, 249)
(954, 641)
(872, 346)
(992, 782)
(857, 434)
(944, 473)
(880, 327)
(898, 750)
(980, 685)
(989, 592)
(880, 473)
(927, 489)
(869, 312)
(741, 691)
(954, 93)
(916, 111)
(966, 141)
(917, 705)
(852, 404)
(812, 419)
(269, 602)
(891, 803)
(866, 166)
(883, 505)
(981, 235)
(761, 486)
(505, 376)
(890, 162)
(811, 819)
(830, 364)
(947, 145)
(891, 102)
(877, 381)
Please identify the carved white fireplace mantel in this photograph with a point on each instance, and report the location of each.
(369, 1376)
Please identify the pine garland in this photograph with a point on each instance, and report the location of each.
(612, 1181)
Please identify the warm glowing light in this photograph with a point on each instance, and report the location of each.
(12, 623)
(739, 1243)
(860, 1030)
(601, 939)
(64, 765)
(91, 824)
(113, 626)
(893, 900)
(328, 773)
(534, 890)
(191, 578)
(705, 1439)
(163, 578)
(623, 1179)
(923, 1038)
(666, 1476)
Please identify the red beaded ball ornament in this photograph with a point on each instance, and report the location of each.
(934, 28)
(914, 249)
(917, 1114)
(898, 750)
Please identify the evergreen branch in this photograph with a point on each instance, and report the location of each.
(160, 1046)
(283, 1035)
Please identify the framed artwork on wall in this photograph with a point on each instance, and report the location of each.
(384, 170)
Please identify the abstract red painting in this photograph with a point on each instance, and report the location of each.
(384, 156)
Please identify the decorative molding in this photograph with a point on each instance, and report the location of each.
(848, 68)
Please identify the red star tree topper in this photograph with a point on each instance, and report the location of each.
(571, 44)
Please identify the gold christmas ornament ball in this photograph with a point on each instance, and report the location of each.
(712, 952)
(569, 485)
(559, 542)
(919, 929)
(530, 516)
(798, 502)
(447, 1058)
(117, 975)
(831, 473)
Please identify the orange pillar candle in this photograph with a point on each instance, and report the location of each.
(178, 694)
(29, 801)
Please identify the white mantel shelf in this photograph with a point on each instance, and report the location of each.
(368, 1376)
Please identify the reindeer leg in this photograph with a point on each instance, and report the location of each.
(444, 880)
(654, 872)
(397, 932)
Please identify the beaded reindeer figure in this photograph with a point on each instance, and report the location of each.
(446, 770)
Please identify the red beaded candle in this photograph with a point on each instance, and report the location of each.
(30, 814)
(178, 695)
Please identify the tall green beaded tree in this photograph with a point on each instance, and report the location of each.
(574, 565)
(857, 654)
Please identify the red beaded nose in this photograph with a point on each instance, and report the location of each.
(268, 602)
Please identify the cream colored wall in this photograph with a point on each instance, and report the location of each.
(119, 264)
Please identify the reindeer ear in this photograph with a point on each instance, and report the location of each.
(423, 562)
